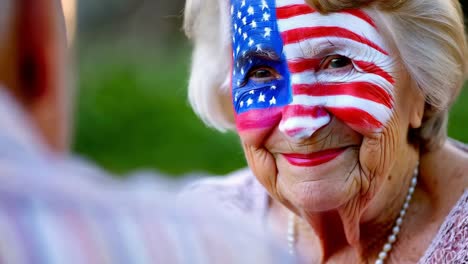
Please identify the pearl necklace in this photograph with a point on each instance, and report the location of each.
(391, 238)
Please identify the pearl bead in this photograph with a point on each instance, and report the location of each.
(402, 212)
(408, 197)
(396, 230)
(392, 239)
(379, 261)
(405, 205)
(414, 181)
(383, 255)
(399, 221)
(411, 190)
(387, 247)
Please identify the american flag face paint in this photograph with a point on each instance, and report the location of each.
(282, 72)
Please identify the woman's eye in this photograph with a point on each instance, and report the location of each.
(263, 75)
(335, 62)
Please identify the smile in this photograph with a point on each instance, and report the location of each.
(313, 159)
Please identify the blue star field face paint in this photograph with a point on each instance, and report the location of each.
(257, 45)
(296, 68)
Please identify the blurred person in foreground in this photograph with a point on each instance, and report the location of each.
(57, 209)
(341, 108)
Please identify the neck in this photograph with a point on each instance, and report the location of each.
(357, 230)
(326, 234)
(443, 176)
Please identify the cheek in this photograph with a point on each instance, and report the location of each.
(260, 160)
(380, 149)
(258, 121)
(367, 106)
(379, 152)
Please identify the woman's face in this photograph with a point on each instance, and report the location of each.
(320, 110)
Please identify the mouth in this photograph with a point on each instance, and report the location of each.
(313, 159)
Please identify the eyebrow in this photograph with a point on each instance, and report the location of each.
(265, 54)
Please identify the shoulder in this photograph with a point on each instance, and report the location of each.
(451, 243)
(461, 173)
(459, 145)
(239, 190)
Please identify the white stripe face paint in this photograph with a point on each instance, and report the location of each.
(341, 20)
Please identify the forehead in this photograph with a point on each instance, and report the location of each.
(269, 22)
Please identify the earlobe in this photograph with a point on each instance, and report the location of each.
(417, 109)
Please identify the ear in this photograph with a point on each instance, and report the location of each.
(417, 107)
(40, 72)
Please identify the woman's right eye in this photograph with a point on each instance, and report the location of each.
(263, 74)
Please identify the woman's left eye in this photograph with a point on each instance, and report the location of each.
(335, 62)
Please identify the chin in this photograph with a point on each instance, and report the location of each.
(320, 188)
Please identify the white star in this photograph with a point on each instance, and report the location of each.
(245, 36)
(266, 16)
(253, 24)
(259, 48)
(261, 98)
(237, 64)
(249, 101)
(251, 42)
(250, 61)
(242, 71)
(235, 26)
(273, 101)
(232, 9)
(239, 83)
(241, 104)
(264, 4)
(243, 3)
(252, 92)
(267, 32)
(239, 30)
(239, 14)
(238, 49)
(236, 97)
(273, 87)
(244, 20)
(250, 10)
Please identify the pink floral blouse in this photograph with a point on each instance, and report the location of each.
(241, 192)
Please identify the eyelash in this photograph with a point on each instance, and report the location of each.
(329, 59)
(249, 75)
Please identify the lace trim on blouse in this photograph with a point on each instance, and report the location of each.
(451, 242)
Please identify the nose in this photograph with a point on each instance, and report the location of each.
(301, 122)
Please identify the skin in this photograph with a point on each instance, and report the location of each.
(32, 59)
(348, 205)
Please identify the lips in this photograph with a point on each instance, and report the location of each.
(313, 159)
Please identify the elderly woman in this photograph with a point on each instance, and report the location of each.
(341, 109)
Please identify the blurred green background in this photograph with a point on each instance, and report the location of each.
(132, 111)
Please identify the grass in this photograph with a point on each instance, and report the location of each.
(132, 112)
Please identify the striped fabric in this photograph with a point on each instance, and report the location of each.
(55, 210)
